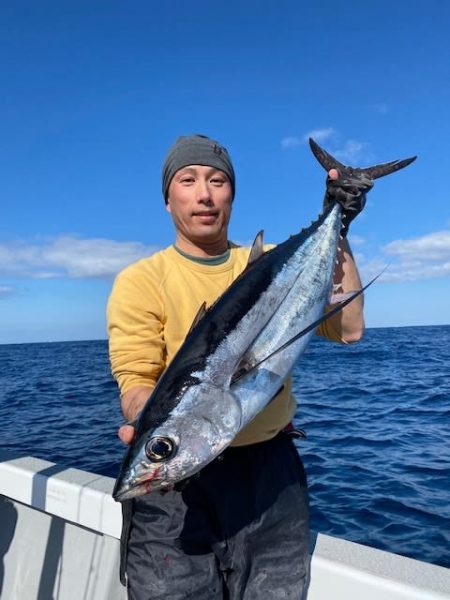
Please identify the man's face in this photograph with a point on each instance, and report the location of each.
(199, 201)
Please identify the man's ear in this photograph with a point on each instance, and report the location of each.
(168, 207)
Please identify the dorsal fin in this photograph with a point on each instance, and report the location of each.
(257, 248)
(329, 162)
(198, 317)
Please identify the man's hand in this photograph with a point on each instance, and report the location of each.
(132, 403)
(349, 190)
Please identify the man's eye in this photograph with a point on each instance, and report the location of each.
(187, 180)
(217, 181)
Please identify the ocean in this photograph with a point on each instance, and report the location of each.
(376, 415)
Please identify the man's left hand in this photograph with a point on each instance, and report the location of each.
(350, 192)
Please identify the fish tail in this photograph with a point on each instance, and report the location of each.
(330, 162)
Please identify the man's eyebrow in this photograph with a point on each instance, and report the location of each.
(217, 170)
(194, 170)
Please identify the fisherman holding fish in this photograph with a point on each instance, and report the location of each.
(238, 528)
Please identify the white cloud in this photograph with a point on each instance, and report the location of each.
(291, 141)
(426, 257)
(352, 152)
(69, 256)
(319, 135)
(432, 247)
(6, 290)
(356, 240)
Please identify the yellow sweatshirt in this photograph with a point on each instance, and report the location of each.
(150, 311)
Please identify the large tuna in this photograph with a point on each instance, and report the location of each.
(239, 353)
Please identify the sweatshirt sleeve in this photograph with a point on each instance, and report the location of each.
(135, 322)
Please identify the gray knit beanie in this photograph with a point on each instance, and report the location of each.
(196, 150)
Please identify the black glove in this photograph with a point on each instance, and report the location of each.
(350, 191)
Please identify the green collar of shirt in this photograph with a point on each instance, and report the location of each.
(210, 260)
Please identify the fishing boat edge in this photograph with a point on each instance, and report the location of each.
(61, 528)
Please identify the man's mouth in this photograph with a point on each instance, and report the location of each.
(206, 217)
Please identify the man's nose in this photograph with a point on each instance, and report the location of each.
(203, 192)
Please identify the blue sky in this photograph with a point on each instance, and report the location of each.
(93, 93)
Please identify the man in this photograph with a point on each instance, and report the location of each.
(239, 529)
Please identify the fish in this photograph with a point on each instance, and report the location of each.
(240, 351)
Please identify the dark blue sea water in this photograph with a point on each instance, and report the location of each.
(376, 414)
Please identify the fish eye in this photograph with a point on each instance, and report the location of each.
(159, 449)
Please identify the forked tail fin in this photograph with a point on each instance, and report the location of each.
(329, 162)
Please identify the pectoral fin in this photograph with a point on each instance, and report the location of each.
(311, 327)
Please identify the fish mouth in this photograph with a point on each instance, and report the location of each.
(127, 494)
(130, 493)
(136, 487)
